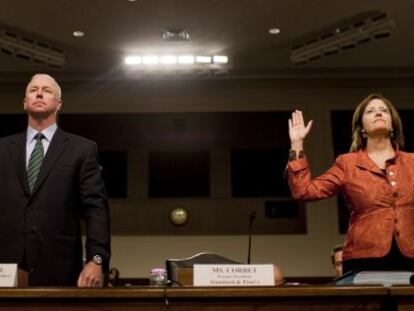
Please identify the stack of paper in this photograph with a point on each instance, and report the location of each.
(386, 278)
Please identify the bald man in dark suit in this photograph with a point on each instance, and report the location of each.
(50, 180)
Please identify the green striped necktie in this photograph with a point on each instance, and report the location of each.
(35, 162)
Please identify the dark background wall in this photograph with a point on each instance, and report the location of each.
(236, 131)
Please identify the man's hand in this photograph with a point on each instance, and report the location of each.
(91, 275)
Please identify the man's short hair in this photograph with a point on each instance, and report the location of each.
(58, 88)
(336, 249)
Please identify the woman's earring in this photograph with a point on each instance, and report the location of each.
(363, 134)
(392, 134)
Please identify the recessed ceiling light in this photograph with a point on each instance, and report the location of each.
(78, 33)
(274, 31)
(133, 60)
(168, 59)
(220, 59)
(186, 59)
(176, 61)
(203, 59)
(150, 59)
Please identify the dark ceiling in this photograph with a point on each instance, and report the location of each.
(237, 28)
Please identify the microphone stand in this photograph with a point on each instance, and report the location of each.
(252, 217)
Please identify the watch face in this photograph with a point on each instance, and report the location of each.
(97, 259)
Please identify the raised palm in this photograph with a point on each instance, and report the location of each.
(297, 129)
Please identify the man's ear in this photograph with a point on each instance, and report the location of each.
(60, 104)
(24, 104)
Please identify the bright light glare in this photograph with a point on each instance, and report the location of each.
(203, 59)
(150, 60)
(78, 33)
(274, 31)
(220, 59)
(186, 59)
(133, 60)
(168, 59)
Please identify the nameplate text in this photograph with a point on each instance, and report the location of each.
(233, 275)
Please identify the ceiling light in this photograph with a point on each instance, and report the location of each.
(168, 59)
(133, 60)
(220, 59)
(78, 33)
(186, 59)
(203, 59)
(150, 60)
(274, 31)
(186, 65)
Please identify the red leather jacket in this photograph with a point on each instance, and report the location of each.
(381, 202)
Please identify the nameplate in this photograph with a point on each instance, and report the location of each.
(233, 275)
(8, 275)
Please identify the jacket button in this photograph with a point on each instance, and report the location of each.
(397, 233)
(395, 220)
(395, 194)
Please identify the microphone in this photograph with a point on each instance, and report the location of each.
(252, 217)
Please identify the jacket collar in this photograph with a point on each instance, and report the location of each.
(18, 153)
(365, 162)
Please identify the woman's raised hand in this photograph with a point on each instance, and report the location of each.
(297, 129)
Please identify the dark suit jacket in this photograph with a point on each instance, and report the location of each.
(42, 231)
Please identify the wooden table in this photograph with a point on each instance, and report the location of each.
(293, 298)
(403, 297)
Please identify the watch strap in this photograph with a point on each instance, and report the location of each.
(293, 155)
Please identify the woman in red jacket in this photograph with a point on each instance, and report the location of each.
(376, 180)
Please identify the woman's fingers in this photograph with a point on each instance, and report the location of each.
(309, 127)
(294, 118)
(297, 118)
(300, 118)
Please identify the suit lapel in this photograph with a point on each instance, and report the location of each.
(18, 154)
(56, 148)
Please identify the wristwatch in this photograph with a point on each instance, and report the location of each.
(97, 259)
(293, 154)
